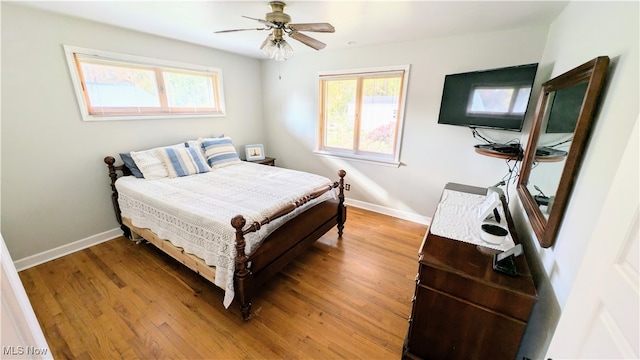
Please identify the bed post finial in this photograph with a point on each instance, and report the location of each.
(242, 274)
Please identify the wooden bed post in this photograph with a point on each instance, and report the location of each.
(242, 274)
(110, 161)
(342, 211)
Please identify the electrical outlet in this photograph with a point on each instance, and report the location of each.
(347, 187)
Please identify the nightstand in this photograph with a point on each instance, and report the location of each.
(266, 161)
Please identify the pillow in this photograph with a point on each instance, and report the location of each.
(192, 143)
(219, 152)
(150, 165)
(131, 165)
(183, 161)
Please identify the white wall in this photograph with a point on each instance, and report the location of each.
(55, 188)
(583, 31)
(431, 154)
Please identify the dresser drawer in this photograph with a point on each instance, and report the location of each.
(444, 327)
(484, 294)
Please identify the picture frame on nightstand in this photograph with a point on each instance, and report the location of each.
(254, 152)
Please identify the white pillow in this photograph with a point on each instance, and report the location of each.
(150, 165)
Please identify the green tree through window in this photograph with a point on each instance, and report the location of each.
(361, 114)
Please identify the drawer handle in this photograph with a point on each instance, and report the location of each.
(413, 299)
(418, 279)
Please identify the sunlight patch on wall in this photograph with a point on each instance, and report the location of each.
(366, 185)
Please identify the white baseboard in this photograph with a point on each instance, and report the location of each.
(404, 215)
(43, 257)
(66, 249)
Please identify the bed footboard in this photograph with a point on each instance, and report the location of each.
(244, 285)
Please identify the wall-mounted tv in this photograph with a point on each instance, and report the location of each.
(496, 98)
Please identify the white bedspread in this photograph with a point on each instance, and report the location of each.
(194, 212)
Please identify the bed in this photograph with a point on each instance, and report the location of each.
(236, 225)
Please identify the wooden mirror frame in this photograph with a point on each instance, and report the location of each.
(594, 73)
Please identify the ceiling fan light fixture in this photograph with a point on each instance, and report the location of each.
(283, 51)
(278, 50)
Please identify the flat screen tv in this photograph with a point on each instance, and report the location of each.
(495, 98)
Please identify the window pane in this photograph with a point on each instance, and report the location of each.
(380, 102)
(187, 90)
(340, 110)
(491, 100)
(520, 107)
(116, 86)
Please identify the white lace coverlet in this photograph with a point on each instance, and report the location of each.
(194, 212)
(456, 218)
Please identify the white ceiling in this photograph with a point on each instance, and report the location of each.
(357, 23)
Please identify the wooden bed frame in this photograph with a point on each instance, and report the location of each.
(276, 251)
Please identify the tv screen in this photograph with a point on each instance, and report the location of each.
(496, 98)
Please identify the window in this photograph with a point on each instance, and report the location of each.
(361, 113)
(112, 86)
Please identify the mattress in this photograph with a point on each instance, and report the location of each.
(194, 212)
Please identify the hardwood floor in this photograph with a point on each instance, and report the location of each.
(346, 299)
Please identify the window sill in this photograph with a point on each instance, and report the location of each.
(390, 163)
(86, 117)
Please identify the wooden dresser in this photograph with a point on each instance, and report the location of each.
(462, 308)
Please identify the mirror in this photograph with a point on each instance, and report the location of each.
(557, 140)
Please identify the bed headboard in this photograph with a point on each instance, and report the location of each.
(114, 170)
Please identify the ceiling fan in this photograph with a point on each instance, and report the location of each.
(275, 46)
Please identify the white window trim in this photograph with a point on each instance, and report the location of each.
(84, 108)
(363, 158)
(358, 158)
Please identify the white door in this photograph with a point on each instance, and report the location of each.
(601, 319)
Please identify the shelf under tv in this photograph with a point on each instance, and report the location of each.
(515, 152)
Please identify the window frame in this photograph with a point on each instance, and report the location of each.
(155, 65)
(355, 154)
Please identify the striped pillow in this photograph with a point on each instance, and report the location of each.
(219, 152)
(183, 161)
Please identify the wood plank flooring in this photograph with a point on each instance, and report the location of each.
(342, 299)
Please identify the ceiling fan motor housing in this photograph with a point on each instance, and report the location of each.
(277, 14)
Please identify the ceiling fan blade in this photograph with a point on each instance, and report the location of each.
(268, 23)
(315, 27)
(309, 41)
(226, 31)
(266, 41)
